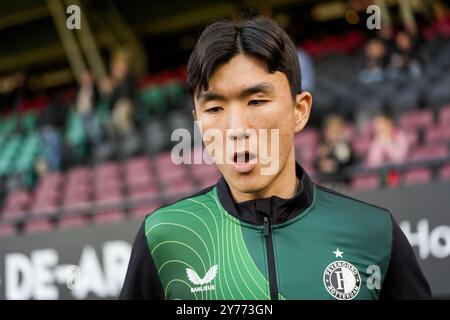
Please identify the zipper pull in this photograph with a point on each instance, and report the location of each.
(266, 229)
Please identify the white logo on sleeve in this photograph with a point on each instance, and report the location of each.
(202, 283)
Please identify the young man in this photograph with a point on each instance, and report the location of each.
(260, 234)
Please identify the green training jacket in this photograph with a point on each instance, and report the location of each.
(318, 245)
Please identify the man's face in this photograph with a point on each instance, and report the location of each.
(242, 98)
(382, 126)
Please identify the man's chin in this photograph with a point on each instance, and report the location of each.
(250, 185)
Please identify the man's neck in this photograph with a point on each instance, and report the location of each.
(284, 185)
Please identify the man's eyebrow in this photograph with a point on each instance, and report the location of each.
(263, 87)
(210, 96)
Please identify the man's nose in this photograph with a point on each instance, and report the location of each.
(237, 125)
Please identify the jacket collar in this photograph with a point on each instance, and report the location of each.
(279, 210)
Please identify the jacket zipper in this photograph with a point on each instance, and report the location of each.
(271, 260)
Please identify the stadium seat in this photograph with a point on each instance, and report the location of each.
(16, 205)
(139, 212)
(307, 137)
(7, 229)
(72, 221)
(109, 216)
(108, 199)
(76, 204)
(417, 176)
(178, 189)
(201, 170)
(365, 182)
(437, 135)
(38, 225)
(207, 182)
(416, 119)
(444, 173)
(51, 180)
(444, 116)
(44, 207)
(360, 145)
(80, 172)
(429, 153)
(144, 193)
(137, 163)
(413, 137)
(172, 172)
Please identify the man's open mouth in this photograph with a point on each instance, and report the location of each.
(244, 161)
(243, 157)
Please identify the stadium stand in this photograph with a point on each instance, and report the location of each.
(129, 177)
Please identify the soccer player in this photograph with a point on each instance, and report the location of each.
(259, 233)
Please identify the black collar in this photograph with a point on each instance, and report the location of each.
(279, 210)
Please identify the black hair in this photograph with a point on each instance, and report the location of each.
(260, 37)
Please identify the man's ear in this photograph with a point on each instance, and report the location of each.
(194, 114)
(302, 110)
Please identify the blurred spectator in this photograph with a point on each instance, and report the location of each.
(390, 144)
(404, 60)
(375, 62)
(86, 100)
(14, 90)
(51, 128)
(120, 90)
(307, 70)
(334, 152)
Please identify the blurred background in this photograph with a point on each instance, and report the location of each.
(87, 116)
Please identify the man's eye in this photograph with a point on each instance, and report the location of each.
(256, 102)
(213, 110)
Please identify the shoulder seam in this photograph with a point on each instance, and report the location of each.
(198, 193)
(351, 198)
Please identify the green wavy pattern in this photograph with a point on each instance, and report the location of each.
(197, 233)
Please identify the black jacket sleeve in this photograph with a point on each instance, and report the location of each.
(142, 280)
(404, 278)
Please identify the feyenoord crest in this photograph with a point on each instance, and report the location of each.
(341, 279)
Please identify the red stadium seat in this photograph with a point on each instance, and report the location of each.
(201, 170)
(10, 213)
(179, 189)
(140, 212)
(137, 164)
(7, 230)
(360, 145)
(16, 205)
(21, 197)
(417, 176)
(107, 171)
(308, 137)
(51, 181)
(109, 216)
(444, 173)
(444, 116)
(79, 175)
(416, 119)
(108, 199)
(140, 197)
(413, 137)
(163, 159)
(72, 221)
(436, 135)
(35, 226)
(172, 171)
(365, 182)
(44, 208)
(135, 174)
(429, 153)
